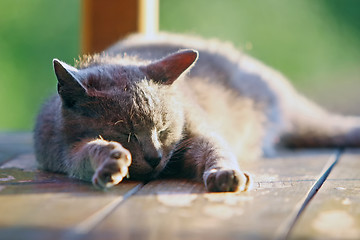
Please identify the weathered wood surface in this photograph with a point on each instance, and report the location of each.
(40, 205)
(183, 210)
(335, 212)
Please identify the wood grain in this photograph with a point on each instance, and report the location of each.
(335, 212)
(183, 210)
(40, 204)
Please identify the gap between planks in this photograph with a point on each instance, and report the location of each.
(285, 229)
(81, 230)
(84, 227)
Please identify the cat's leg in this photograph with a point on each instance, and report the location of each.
(104, 162)
(209, 159)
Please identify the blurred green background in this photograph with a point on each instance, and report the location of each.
(316, 44)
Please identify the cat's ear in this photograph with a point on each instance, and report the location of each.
(168, 69)
(69, 86)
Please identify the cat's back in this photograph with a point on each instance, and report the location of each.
(223, 82)
(216, 57)
(219, 62)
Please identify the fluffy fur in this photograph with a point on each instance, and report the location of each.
(137, 110)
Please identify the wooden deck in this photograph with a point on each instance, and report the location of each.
(286, 202)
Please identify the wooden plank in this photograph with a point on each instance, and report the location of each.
(335, 211)
(39, 204)
(183, 210)
(63, 209)
(23, 170)
(53, 205)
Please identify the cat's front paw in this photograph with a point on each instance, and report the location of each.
(227, 180)
(114, 168)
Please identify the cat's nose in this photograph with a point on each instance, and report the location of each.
(153, 161)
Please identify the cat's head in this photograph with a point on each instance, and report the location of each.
(132, 102)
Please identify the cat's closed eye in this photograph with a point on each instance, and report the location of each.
(123, 137)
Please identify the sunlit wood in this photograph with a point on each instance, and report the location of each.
(104, 22)
(39, 205)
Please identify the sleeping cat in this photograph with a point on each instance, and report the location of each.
(176, 106)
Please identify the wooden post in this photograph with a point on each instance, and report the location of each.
(149, 17)
(105, 22)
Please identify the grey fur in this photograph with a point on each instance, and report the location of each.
(131, 109)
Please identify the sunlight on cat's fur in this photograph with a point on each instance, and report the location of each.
(176, 106)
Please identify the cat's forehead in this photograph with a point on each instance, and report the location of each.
(146, 100)
(103, 77)
(133, 106)
(145, 104)
(87, 61)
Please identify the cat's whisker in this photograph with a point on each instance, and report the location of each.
(183, 144)
(119, 121)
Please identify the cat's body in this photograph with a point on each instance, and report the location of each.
(127, 108)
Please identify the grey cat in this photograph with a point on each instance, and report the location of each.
(152, 108)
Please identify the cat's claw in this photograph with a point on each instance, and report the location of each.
(113, 169)
(227, 180)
